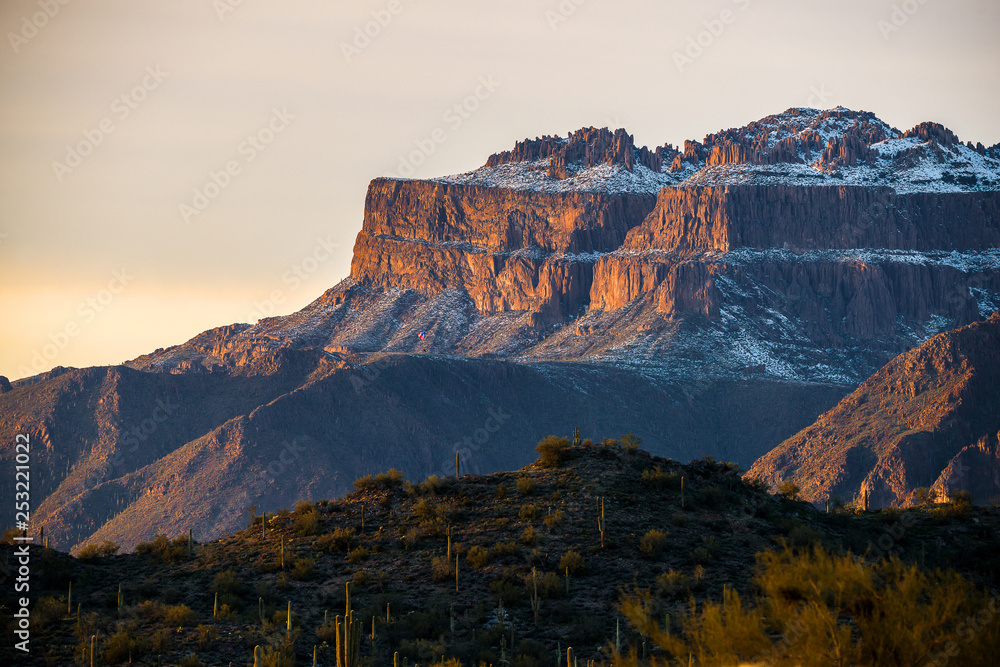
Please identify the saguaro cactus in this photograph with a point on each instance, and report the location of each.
(600, 518)
(348, 634)
(536, 604)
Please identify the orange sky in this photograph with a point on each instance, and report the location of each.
(113, 113)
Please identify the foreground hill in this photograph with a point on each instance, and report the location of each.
(590, 547)
(930, 418)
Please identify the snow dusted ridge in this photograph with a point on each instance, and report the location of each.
(799, 147)
(607, 179)
(907, 165)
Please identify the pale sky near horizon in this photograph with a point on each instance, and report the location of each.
(98, 263)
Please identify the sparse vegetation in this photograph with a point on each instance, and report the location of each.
(723, 551)
(553, 451)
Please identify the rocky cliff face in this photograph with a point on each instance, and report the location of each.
(509, 250)
(928, 419)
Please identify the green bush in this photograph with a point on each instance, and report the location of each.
(528, 512)
(653, 543)
(525, 485)
(478, 557)
(179, 615)
(572, 560)
(94, 550)
(302, 569)
(123, 647)
(553, 451)
(867, 614)
(553, 519)
(789, 490)
(338, 539)
(391, 479)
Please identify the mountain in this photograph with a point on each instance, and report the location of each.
(714, 300)
(512, 567)
(929, 419)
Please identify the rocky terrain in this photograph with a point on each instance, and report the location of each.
(929, 420)
(591, 549)
(714, 300)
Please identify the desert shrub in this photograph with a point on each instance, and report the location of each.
(865, 613)
(501, 492)
(528, 512)
(653, 543)
(123, 647)
(529, 536)
(95, 550)
(306, 522)
(179, 615)
(553, 451)
(339, 539)
(191, 660)
(550, 585)
(302, 569)
(391, 479)
(506, 590)
(553, 519)
(372, 580)
(478, 557)
(206, 635)
(163, 548)
(150, 611)
(441, 568)
(162, 640)
(228, 583)
(275, 656)
(46, 611)
(430, 486)
(358, 555)
(673, 584)
(327, 633)
(658, 480)
(504, 549)
(630, 442)
(525, 485)
(789, 490)
(425, 509)
(572, 560)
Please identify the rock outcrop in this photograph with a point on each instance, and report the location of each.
(928, 419)
(509, 250)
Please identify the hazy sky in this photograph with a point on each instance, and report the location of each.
(113, 113)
